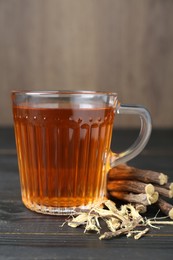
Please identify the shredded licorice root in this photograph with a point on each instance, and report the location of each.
(124, 221)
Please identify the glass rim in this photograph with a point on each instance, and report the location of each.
(63, 92)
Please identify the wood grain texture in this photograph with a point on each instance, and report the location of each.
(116, 45)
(28, 235)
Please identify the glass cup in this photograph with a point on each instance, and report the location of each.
(63, 144)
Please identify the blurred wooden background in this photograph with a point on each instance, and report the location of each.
(125, 46)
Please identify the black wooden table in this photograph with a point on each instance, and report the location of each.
(28, 235)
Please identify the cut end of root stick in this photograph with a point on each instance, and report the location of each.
(153, 198)
(140, 208)
(163, 179)
(170, 194)
(171, 213)
(149, 189)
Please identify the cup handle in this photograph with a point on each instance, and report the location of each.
(142, 138)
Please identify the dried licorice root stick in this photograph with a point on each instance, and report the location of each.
(130, 185)
(141, 198)
(126, 172)
(164, 192)
(169, 186)
(165, 207)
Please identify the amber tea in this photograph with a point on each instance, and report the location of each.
(62, 154)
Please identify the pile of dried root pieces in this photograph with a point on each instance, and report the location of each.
(138, 189)
(141, 188)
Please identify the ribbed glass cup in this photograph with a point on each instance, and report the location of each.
(63, 143)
